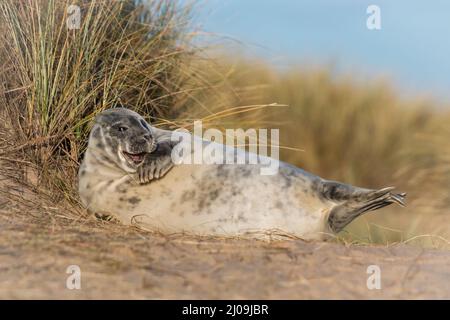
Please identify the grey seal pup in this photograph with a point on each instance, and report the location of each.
(128, 174)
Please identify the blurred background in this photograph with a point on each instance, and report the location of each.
(410, 49)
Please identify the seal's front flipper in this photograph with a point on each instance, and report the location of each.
(157, 163)
(356, 201)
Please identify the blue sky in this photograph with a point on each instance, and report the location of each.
(412, 48)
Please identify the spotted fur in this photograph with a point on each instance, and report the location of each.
(218, 199)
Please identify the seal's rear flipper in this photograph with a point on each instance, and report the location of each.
(359, 201)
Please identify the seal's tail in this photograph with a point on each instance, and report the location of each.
(357, 201)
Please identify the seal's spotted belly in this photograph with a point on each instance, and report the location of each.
(225, 200)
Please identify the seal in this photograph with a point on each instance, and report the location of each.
(127, 174)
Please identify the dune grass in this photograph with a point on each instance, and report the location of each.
(53, 81)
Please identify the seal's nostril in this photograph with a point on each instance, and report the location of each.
(147, 136)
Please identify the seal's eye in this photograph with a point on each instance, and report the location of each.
(122, 129)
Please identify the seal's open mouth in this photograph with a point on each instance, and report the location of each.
(136, 158)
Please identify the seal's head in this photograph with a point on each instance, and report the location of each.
(123, 137)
